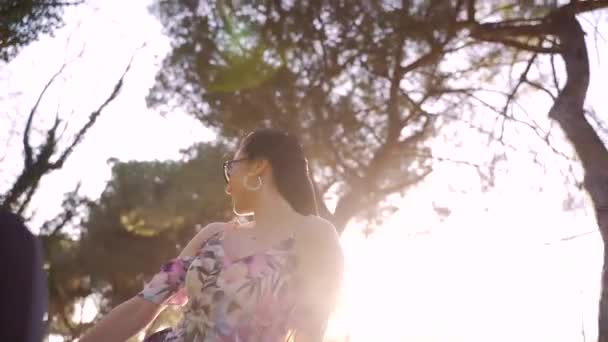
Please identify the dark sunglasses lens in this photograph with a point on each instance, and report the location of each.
(227, 172)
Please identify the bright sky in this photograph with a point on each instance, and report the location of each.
(494, 269)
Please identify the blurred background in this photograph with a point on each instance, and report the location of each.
(461, 204)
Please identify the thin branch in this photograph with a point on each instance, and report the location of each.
(500, 9)
(522, 79)
(417, 136)
(394, 126)
(572, 237)
(322, 190)
(60, 3)
(471, 10)
(508, 25)
(70, 205)
(554, 72)
(506, 31)
(372, 131)
(66, 125)
(541, 88)
(596, 34)
(544, 136)
(28, 199)
(321, 205)
(508, 28)
(522, 46)
(29, 158)
(60, 297)
(385, 191)
(479, 129)
(447, 160)
(426, 59)
(94, 115)
(28, 151)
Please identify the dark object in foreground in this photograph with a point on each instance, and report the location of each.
(23, 296)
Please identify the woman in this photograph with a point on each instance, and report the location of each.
(273, 279)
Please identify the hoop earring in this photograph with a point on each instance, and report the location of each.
(250, 188)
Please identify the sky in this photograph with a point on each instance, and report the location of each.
(496, 267)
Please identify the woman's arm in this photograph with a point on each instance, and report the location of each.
(132, 316)
(124, 321)
(314, 309)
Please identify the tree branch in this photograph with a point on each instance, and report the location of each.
(29, 158)
(569, 113)
(321, 205)
(522, 79)
(541, 88)
(93, 117)
(578, 7)
(554, 73)
(471, 11)
(506, 32)
(519, 45)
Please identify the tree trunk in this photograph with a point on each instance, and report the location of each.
(568, 112)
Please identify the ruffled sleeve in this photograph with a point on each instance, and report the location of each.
(167, 286)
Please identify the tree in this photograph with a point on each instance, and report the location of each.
(581, 127)
(362, 84)
(46, 150)
(368, 85)
(145, 216)
(24, 21)
(569, 112)
(47, 156)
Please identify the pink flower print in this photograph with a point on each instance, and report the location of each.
(159, 280)
(265, 311)
(225, 338)
(256, 265)
(234, 273)
(243, 332)
(175, 271)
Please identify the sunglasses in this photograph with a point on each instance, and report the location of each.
(228, 167)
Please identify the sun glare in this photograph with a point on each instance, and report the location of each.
(496, 264)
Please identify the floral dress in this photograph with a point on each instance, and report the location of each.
(244, 300)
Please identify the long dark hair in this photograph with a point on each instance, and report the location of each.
(289, 165)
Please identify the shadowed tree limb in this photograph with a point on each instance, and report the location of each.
(568, 112)
(38, 160)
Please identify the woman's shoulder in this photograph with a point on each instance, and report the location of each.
(321, 235)
(320, 249)
(204, 234)
(318, 228)
(213, 228)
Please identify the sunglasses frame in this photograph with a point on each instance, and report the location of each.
(228, 167)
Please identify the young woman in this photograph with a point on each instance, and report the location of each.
(274, 279)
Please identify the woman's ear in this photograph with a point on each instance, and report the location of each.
(258, 167)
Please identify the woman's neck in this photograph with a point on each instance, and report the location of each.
(272, 212)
